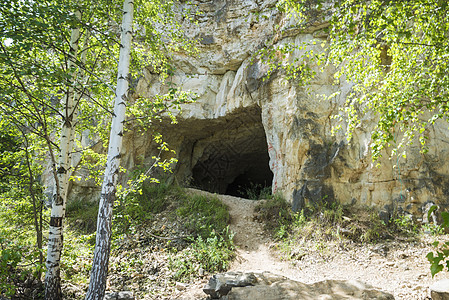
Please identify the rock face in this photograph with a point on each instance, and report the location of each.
(267, 286)
(248, 129)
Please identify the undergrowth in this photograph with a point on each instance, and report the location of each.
(207, 243)
(21, 261)
(82, 216)
(326, 224)
(189, 232)
(211, 254)
(255, 191)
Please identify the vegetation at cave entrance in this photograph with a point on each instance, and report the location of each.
(324, 226)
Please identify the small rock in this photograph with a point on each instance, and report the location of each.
(181, 286)
(220, 284)
(119, 296)
(381, 249)
(440, 290)
(389, 264)
(422, 275)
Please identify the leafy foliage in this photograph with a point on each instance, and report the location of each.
(439, 260)
(209, 213)
(212, 254)
(10, 257)
(322, 226)
(395, 55)
(255, 191)
(205, 219)
(22, 213)
(41, 69)
(19, 265)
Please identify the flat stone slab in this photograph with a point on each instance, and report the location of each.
(268, 286)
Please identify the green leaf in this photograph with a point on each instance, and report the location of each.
(431, 210)
(435, 268)
(445, 217)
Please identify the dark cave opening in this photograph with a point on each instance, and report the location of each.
(234, 160)
(253, 182)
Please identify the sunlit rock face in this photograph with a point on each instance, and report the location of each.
(246, 128)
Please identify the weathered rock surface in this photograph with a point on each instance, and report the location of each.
(267, 286)
(221, 284)
(244, 128)
(440, 290)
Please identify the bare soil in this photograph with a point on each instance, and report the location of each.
(398, 267)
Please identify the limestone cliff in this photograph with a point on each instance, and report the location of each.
(244, 129)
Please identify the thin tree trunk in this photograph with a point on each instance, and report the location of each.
(55, 237)
(97, 285)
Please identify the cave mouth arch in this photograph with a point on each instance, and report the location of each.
(234, 159)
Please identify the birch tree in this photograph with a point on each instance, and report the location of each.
(160, 36)
(39, 66)
(97, 284)
(55, 237)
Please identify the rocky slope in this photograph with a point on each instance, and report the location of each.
(396, 267)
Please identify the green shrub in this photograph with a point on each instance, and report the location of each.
(212, 254)
(405, 224)
(10, 257)
(203, 213)
(256, 191)
(439, 260)
(19, 265)
(142, 204)
(275, 213)
(327, 223)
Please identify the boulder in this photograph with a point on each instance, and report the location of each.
(267, 286)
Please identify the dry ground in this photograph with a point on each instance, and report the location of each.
(397, 267)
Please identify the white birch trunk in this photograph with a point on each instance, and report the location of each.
(55, 237)
(97, 284)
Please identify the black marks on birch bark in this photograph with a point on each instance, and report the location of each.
(56, 221)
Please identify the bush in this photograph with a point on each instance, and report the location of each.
(212, 254)
(15, 278)
(255, 191)
(203, 213)
(10, 257)
(328, 223)
(274, 213)
(141, 205)
(209, 244)
(440, 259)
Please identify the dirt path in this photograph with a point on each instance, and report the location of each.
(398, 268)
(253, 246)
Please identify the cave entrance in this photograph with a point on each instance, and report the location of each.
(234, 159)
